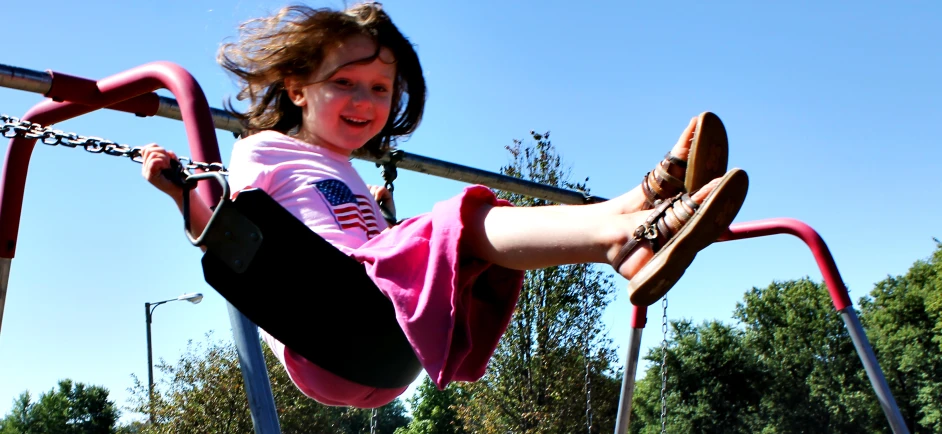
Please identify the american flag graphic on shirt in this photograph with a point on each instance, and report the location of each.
(350, 210)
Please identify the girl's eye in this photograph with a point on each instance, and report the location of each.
(380, 88)
(343, 82)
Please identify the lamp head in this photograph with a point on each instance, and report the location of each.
(193, 297)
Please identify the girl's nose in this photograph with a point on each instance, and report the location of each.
(361, 95)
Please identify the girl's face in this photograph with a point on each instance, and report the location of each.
(344, 111)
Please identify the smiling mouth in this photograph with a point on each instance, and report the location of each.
(354, 121)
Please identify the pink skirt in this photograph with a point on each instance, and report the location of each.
(453, 307)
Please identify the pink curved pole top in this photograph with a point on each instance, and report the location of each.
(106, 93)
(761, 228)
(822, 255)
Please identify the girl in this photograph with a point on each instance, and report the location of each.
(325, 85)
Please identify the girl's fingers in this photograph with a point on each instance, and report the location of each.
(380, 193)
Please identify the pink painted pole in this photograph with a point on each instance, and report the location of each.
(131, 91)
(105, 93)
(819, 249)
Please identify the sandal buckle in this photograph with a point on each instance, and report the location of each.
(651, 232)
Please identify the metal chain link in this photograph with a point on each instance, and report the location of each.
(373, 418)
(664, 367)
(588, 379)
(14, 127)
(588, 395)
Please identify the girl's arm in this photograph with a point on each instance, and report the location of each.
(156, 160)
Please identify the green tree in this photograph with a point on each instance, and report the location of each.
(435, 411)
(903, 319)
(204, 392)
(72, 408)
(793, 353)
(554, 356)
(816, 380)
(714, 383)
(791, 367)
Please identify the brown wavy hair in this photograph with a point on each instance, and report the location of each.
(293, 43)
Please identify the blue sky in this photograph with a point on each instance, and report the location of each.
(831, 107)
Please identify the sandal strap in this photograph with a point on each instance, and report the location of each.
(674, 160)
(689, 202)
(670, 223)
(650, 195)
(681, 213)
(665, 221)
(626, 250)
(665, 177)
(660, 184)
(646, 232)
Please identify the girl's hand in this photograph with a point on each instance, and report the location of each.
(383, 197)
(157, 159)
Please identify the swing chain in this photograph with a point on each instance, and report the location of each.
(588, 393)
(12, 127)
(664, 367)
(373, 417)
(587, 355)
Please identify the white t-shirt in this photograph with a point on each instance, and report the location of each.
(318, 186)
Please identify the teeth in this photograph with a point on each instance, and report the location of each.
(355, 120)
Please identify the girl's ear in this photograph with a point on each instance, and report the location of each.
(295, 91)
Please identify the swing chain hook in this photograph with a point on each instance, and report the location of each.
(389, 175)
(389, 171)
(12, 127)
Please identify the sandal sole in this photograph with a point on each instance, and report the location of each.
(711, 221)
(709, 152)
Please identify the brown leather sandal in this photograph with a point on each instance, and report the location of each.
(708, 158)
(677, 230)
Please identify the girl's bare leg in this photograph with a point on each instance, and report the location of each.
(538, 237)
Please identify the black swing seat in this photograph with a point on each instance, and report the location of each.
(304, 292)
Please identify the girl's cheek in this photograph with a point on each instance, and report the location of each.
(383, 101)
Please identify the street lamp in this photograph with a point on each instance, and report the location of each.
(194, 298)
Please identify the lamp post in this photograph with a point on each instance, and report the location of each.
(149, 312)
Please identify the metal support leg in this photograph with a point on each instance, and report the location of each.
(882, 389)
(254, 374)
(638, 318)
(4, 282)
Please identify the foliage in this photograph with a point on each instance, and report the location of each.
(816, 381)
(204, 392)
(552, 371)
(435, 411)
(791, 365)
(903, 318)
(790, 368)
(73, 408)
(714, 383)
